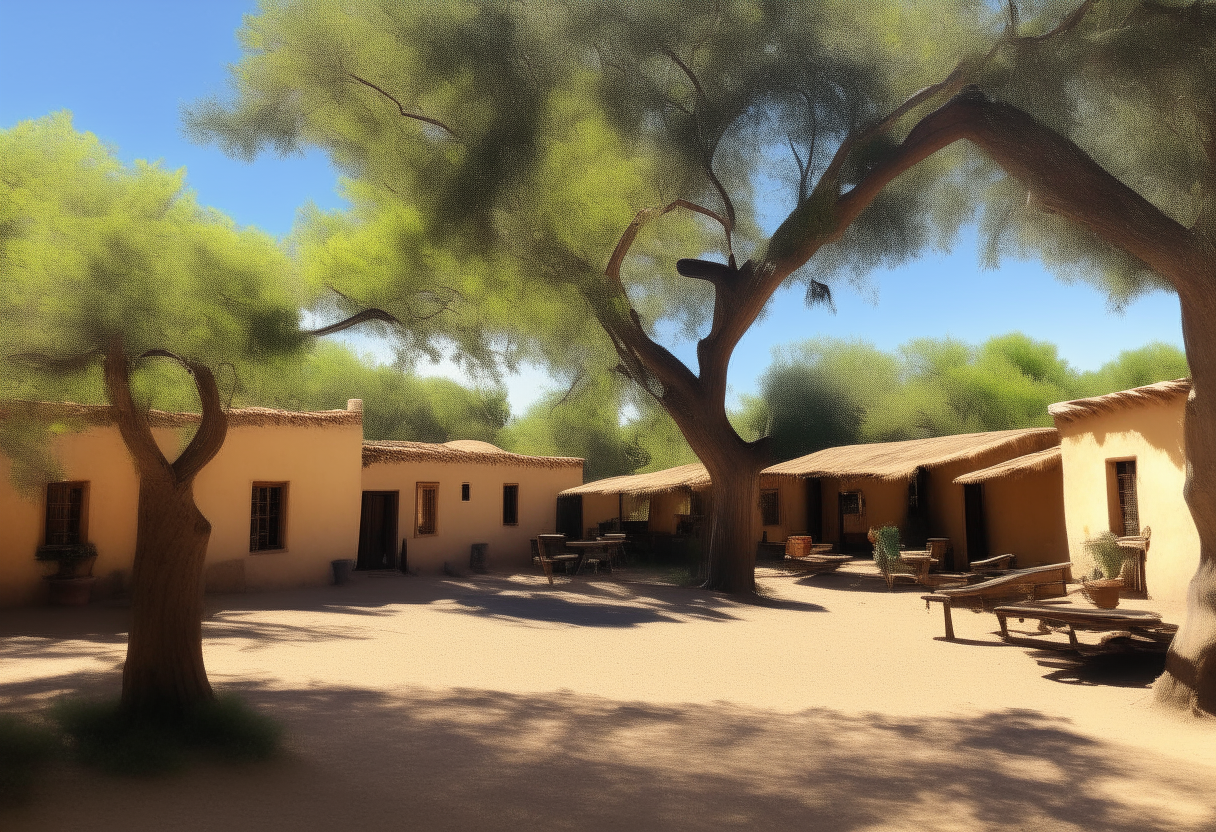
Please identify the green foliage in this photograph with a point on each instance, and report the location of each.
(396, 403)
(1107, 554)
(26, 747)
(886, 547)
(106, 737)
(823, 393)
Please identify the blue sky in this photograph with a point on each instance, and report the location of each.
(125, 68)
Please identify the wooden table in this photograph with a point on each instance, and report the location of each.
(1145, 628)
(587, 550)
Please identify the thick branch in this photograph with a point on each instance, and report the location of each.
(644, 216)
(354, 320)
(132, 424)
(401, 109)
(212, 429)
(56, 364)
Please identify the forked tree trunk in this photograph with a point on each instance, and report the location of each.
(164, 672)
(1189, 681)
(164, 675)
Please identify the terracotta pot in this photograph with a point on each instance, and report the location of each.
(70, 592)
(1104, 593)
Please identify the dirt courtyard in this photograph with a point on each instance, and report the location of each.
(498, 702)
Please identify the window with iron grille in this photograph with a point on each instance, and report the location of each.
(464, 492)
(768, 507)
(850, 502)
(510, 505)
(65, 513)
(266, 516)
(1129, 508)
(426, 511)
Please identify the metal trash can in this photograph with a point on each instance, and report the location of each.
(477, 557)
(342, 568)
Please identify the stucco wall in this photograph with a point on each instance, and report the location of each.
(600, 508)
(320, 464)
(1025, 517)
(1152, 435)
(460, 524)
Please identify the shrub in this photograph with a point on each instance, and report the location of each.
(25, 747)
(886, 547)
(1107, 555)
(106, 737)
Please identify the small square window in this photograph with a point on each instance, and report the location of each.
(510, 505)
(464, 492)
(267, 512)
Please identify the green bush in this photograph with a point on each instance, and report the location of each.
(886, 548)
(25, 747)
(1107, 555)
(105, 737)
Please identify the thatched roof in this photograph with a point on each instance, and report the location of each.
(693, 477)
(97, 415)
(460, 451)
(899, 460)
(1159, 393)
(1014, 468)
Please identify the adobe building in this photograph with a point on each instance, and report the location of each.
(426, 504)
(1124, 467)
(836, 495)
(287, 494)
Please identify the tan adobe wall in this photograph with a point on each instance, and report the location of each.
(320, 464)
(791, 509)
(600, 508)
(1152, 435)
(460, 524)
(1025, 517)
(322, 469)
(886, 502)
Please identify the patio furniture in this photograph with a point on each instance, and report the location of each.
(910, 567)
(814, 564)
(594, 552)
(992, 566)
(550, 550)
(1133, 630)
(1020, 584)
(1134, 564)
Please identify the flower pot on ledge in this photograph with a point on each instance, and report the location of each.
(70, 592)
(1104, 593)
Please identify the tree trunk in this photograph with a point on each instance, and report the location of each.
(164, 676)
(1189, 681)
(164, 673)
(732, 534)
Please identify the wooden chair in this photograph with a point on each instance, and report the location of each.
(551, 549)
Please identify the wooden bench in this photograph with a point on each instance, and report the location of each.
(1144, 629)
(1020, 584)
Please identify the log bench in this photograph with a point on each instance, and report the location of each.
(1020, 584)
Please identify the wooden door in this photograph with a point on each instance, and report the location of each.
(378, 530)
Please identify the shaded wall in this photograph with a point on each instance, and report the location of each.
(1025, 517)
(1152, 435)
(460, 524)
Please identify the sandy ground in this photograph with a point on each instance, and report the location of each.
(497, 702)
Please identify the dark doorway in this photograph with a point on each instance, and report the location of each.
(851, 515)
(814, 509)
(977, 530)
(378, 530)
(570, 516)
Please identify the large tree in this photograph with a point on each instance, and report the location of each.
(581, 158)
(109, 272)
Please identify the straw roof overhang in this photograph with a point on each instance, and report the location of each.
(692, 477)
(1013, 468)
(1159, 393)
(899, 460)
(460, 451)
(91, 415)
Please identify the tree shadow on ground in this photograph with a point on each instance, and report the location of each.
(1123, 670)
(483, 759)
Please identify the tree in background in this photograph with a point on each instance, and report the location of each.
(1100, 116)
(571, 158)
(824, 392)
(107, 269)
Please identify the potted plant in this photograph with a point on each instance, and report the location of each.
(1103, 589)
(72, 581)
